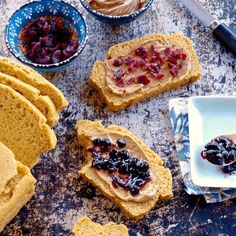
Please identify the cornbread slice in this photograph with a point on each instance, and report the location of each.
(23, 127)
(135, 210)
(115, 102)
(86, 227)
(30, 76)
(17, 186)
(43, 103)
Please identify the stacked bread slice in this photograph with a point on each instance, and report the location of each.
(29, 107)
(86, 227)
(17, 186)
(132, 209)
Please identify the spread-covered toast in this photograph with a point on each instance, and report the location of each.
(137, 69)
(123, 168)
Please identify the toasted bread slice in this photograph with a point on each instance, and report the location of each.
(115, 102)
(86, 227)
(23, 127)
(135, 210)
(30, 76)
(17, 186)
(43, 103)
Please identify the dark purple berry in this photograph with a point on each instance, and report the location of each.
(121, 142)
(141, 51)
(97, 142)
(124, 154)
(117, 62)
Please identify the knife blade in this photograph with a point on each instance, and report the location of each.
(220, 30)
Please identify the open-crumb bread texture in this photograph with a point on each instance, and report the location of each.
(86, 227)
(135, 210)
(115, 102)
(43, 103)
(31, 77)
(23, 127)
(17, 186)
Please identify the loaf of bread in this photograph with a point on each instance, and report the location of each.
(23, 127)
(135, 210)
(17, 186)
(30, 76)
(86, 227)
(115, 101)
(43, 103)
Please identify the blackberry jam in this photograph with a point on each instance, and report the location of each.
(126, 171)
(221, 151)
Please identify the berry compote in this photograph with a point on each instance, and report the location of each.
(221, 151)
(126, 171)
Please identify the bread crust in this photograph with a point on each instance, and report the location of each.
(17, 191)
(84, 227)
(30, 76)
(43, 103)
(133, 210)
(115, 102)
(23, 127)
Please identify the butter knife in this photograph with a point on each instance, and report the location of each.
(220, 30)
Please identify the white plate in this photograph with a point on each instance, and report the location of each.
(209, 117)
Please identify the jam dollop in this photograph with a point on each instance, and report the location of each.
(48, 40)
(221, 151)
(125, 171)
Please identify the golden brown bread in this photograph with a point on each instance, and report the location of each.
(30, 76)
(86, 227)
(43, 103)
(135, 210)
(17, 186)
(115, 102)
(23, 127)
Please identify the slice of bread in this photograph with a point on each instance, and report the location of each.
(135, 210)
(86, 227)
(115, 102)
(23, 127)
(43, 103)
(17, 186)
(30, 76)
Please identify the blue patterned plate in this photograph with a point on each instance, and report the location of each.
(34, 10)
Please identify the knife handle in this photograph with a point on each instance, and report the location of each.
(226, 36)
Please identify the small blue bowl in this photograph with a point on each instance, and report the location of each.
(115, 20)
(34, 10)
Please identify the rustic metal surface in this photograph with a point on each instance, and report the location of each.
(62, 196)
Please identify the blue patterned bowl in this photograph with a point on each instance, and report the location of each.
(34, 10)
(115, 20)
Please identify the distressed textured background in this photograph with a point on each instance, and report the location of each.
(62, 196)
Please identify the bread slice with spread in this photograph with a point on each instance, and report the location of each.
(30, 76)
(123, 168)
(43, 103)
(23, 127)
(137, 69)
(17, 186)
(86, 227)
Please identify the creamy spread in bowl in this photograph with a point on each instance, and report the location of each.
(116, 7)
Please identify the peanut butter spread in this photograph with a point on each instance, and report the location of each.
(145, 67)
(149, 190)
(116, 7)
